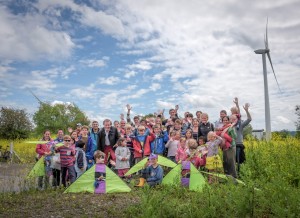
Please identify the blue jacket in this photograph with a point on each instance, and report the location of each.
(89, 151)
(157, 146)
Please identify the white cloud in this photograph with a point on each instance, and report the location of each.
(112, 80)
(130, 74)
(94, 62)
(155, 86)
(18, 43)
(141, 65)
(283, 119)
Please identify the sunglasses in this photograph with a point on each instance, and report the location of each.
(67, 140)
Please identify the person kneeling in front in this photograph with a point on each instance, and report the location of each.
(153, 172)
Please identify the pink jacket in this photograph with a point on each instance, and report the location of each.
(181, 154)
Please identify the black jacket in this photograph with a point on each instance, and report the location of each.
(113, 137)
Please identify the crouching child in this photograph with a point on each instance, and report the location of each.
(153, 172)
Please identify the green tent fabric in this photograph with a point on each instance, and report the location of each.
(115, 183)
(43, 142)
(196, 183)
(38, 169)
(173, 177)
(85, 183)
(36, 142)
(140, 165)
(225, 177)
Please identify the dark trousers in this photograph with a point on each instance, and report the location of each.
(56, 177)
(71, 174)
(229, 161)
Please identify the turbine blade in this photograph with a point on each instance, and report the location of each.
(268, 53)
(266, 40)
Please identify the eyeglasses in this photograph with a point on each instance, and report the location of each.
(67, 140)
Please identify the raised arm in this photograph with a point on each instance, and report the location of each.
(236, 102)
(128, 113)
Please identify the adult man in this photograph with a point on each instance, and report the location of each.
(173, 114)
(93, 133)
(153, 172)
(219, 123)
(107, 139)
(240, 154)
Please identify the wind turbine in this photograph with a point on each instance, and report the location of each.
(263, 52)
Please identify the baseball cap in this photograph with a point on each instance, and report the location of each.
(153, 156)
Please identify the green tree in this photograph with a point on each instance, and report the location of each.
(58, 116)
(14, 124)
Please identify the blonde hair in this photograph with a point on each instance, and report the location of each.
(85, 127)
(67, 137)
(127, 126)
(182, 139)
(210, 134)
(234, 110)
(192, 143)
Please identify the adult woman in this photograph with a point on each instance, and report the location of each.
(229, 154)
(195, 127)
(205, 126)
(45, 150)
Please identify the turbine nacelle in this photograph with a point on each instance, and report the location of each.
(262, 51)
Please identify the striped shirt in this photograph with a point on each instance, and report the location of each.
(67, 155)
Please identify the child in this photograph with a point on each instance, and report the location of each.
(172, 144)
(188, 135)
(141, 144)
(181, 151)
(202, 148)
(129, 138)
(213, 161)
(193, 154)
(100, 172)
(158, 144)
(80, 159)
(122, 157)
(67, 160)
(89, 147)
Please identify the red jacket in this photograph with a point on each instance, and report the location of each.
(137, 146)
(42, 148)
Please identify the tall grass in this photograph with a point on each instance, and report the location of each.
(271, 174)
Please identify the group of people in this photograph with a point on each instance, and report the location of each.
(124, 143)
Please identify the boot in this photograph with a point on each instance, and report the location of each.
(142, 182)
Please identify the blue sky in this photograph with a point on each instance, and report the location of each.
(103, 54)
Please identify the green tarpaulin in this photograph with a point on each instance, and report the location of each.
(140, 165)
(38, 169)
(85, 183)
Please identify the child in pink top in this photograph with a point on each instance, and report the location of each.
(181, 151)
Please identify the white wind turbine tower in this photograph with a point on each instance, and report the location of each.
(263, 52)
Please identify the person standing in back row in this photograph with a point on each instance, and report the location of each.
(108, 137)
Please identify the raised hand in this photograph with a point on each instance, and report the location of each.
(128, 107)
(122, 116)
(236, 100)
(246, 107)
